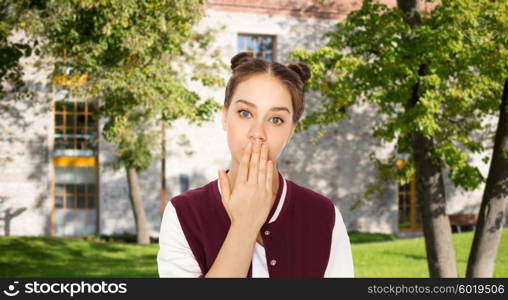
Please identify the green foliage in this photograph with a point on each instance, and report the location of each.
(12, 50)
(137, 56)
(457, 59)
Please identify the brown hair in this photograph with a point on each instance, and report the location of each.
(293, 76)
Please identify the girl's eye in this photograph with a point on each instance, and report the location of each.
(280, 120)
(243, 115)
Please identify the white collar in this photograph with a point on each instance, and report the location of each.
(281, 199)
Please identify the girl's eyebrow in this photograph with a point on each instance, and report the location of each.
(275, 108)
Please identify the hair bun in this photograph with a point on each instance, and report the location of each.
(239, 59)
(302, 70)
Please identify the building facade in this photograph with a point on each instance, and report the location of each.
(56, 170)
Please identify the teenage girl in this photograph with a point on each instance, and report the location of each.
(251, 221)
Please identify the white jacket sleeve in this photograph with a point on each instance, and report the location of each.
(340, 263)
(175, 257)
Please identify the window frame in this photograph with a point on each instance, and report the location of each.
(413, 205)
(60, 81)
(255, 36)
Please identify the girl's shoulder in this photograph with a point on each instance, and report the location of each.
(201, 197)
(309, 198)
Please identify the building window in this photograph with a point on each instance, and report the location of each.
(409, 209)
(258, 46)
(75, 187)
(75, 180)
(75, 197)
(75, 125)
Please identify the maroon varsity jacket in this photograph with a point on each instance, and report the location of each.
(297, 243)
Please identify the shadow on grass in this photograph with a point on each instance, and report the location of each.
(365, 237)
(58, 257)
(405, 255)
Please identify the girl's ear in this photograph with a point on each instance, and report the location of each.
(224, 112)
(291, 134)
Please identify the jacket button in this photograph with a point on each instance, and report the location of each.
(273, 262)
(267, 232)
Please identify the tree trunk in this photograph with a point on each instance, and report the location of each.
(410, 9)
(495, 196)
(430, 192)
(143, 235)
(431, 196)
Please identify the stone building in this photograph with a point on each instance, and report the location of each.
(56, 175)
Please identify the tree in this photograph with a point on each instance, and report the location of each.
(430, 188)
(12, 51)
(137, 57)
(431, 100)
(492, 43)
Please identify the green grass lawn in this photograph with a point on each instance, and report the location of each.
(407, 258)
(59, 257)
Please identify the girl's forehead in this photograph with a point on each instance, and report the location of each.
(262, 90)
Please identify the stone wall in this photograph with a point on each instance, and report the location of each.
(25, 157)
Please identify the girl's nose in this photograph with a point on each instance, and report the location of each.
(257, 132)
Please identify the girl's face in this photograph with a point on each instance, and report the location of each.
(261, 109)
